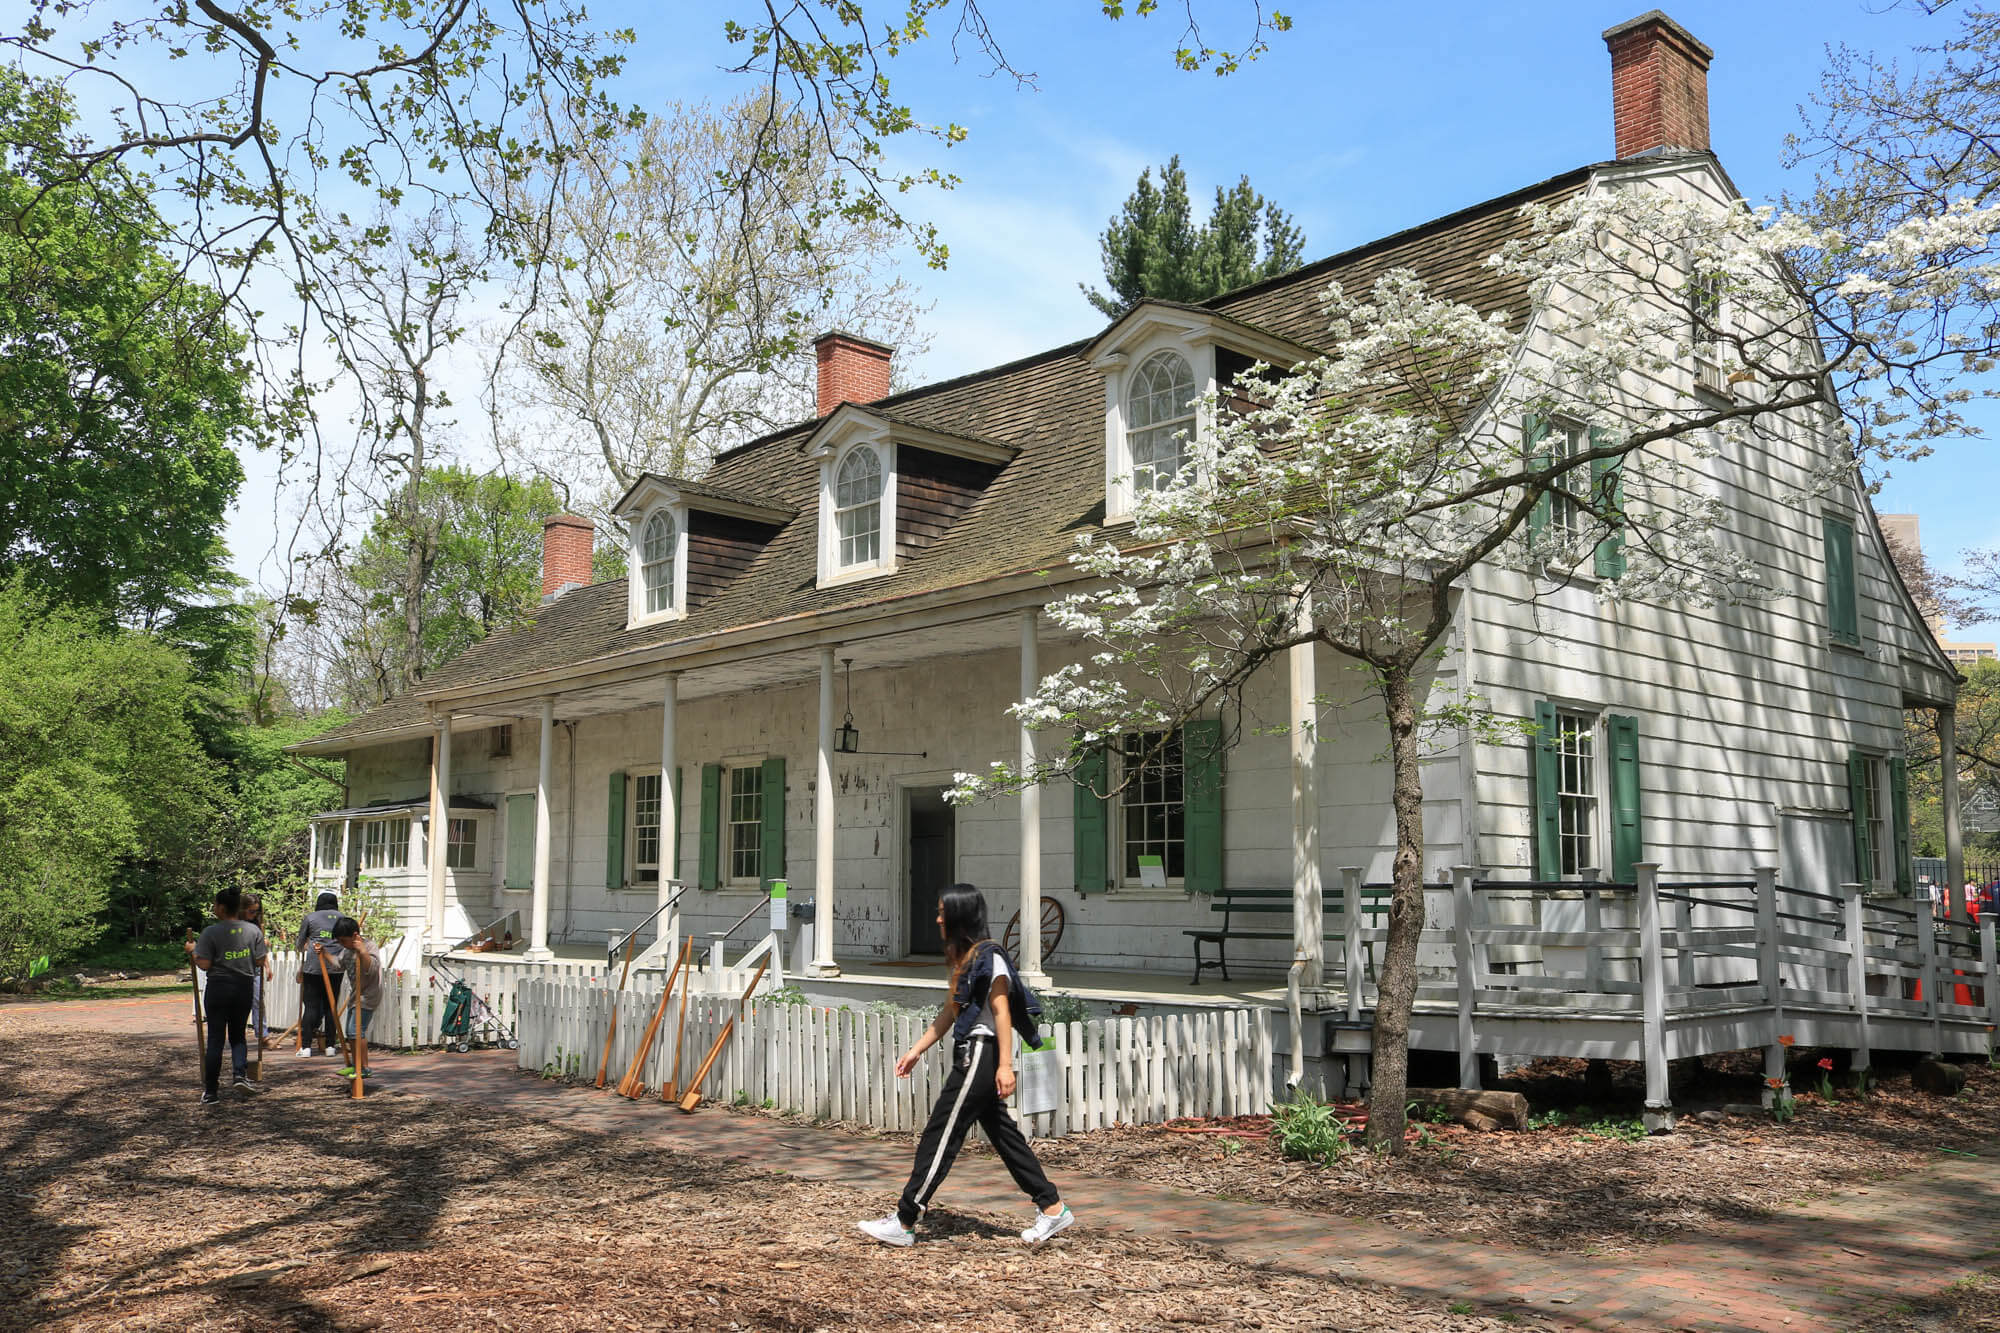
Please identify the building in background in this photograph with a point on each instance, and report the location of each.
(1901, 530)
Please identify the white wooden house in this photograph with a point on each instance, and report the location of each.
(821, 630)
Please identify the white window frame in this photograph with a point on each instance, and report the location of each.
(635, 582)
(381, 849)
(1580, 740)
(666, 590)
(330, 837)
(1127, 884)
(1875, 790)
(1120, 492)
(634, 829)
(831, 570)
(461, 853)
(726, 850)
(1708, 287)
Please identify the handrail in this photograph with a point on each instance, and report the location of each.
(1552, 885)
(761, 905)
(1709, 902)
(681, 886)
(1808, 893)
(1707, 884)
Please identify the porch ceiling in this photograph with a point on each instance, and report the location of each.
(774, 670)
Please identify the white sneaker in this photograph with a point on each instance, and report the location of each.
(1046, 1226)
(889, 1230)
(304, 1051)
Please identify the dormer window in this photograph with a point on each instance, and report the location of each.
(857, 509)
(1159, 419)
(657, 549)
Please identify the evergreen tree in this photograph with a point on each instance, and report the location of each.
(1153, 249)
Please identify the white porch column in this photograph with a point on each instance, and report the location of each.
(1031, 823)
(823, 816)
(1308, 933)
(1954, 836)
(538, 912)
(670, 813)
(346, 857)
(440, 837)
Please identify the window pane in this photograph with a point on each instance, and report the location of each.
(646, 827)
(1159, 415)
(462, 850)
(1576, 791)
(657, 562)
(397, 832)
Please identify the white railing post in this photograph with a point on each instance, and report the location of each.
(1468, 979)
(1857, 972)
(1927, 969)
(1771, 978)
(1659, 1111)
(1350, 905)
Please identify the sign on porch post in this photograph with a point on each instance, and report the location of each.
(777, 907)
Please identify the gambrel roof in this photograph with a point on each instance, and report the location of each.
(1048, 409)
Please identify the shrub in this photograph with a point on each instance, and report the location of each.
(1308, 1129)
(1060, 1007)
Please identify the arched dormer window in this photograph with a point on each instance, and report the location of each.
(857, 509)
(657, 547)
(1159, 419)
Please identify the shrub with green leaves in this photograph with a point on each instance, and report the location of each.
(1060, 1007)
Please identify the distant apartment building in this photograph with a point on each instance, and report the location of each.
(1901, 530)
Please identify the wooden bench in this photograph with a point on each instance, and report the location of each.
(1233, 903)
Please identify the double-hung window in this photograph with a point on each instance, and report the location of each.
(1706, 313)
(1576, 755)
(331, 836)
(1152, 821)
(744, 824)
(646, 828)
(385, 844)
(857, 509)
(461, 849)
(657, 547)
(1159, 420)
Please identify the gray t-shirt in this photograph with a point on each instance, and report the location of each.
(232, 946)
(318, 928)
(365, 973)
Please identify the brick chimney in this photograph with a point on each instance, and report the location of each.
(851, 370)
(1659, 86)
(566, 541)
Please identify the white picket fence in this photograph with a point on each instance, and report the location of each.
(413, 996)
(839, 1064)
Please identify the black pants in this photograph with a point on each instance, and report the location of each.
(228, 1005)
(319, 1010)
(968, 1099)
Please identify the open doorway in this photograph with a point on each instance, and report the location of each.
(929, 863)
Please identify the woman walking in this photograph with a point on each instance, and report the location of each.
(979, 1016)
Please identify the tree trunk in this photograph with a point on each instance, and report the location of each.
(1397, 990)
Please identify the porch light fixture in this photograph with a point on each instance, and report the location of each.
(847, 740)
(847, 737)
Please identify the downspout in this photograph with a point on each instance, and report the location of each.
(569, 841)
(1292, 1010)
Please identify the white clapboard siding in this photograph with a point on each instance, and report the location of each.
(839, 1064)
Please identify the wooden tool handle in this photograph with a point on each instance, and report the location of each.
(630, 1085)
(611, 1027)
(693, 1097)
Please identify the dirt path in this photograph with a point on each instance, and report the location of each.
(498, 1200)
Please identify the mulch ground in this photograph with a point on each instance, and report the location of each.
(1577, 1187)
(125, 1205)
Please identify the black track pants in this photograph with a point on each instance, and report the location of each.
(968, 1099)
(319, 1009)
(228, 1008)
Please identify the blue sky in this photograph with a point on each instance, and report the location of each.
(1363, 120)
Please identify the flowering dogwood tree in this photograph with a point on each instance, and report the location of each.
(1662, 334)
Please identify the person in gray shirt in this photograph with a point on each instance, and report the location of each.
(318, 1009)
(233, 953)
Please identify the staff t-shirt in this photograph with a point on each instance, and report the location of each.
(232, 946)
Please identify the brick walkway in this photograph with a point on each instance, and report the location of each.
(1828, 1265)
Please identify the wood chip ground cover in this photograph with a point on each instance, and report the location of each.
(1570, 1189)
(126, 1206)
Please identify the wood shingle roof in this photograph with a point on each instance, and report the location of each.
(1048, 406)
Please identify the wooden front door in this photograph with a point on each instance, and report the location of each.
(930, 863)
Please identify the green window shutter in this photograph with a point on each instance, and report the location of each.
(1899, 826)
(773, 856)
(614, 834)
(1533, 431)
(1628, 843)
(711, 827)
(1548, 803)
(1843, 610)
(1201, 758)
(520, 842)
(672, 870)
(1607, 491)
(1092, 853)
(1857, 797)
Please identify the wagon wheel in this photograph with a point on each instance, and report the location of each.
(1052, 929)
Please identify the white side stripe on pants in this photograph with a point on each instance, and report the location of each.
(951, 1123)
